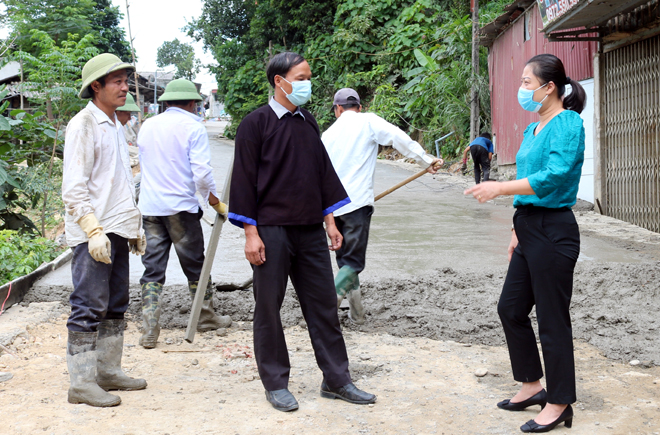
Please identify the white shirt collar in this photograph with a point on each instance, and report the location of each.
(280, 110)
(178, 109)
(100, 115)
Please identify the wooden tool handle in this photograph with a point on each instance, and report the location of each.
(401, 184)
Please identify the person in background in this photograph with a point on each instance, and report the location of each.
(352, 144)
(175, 160)
(545, 243)
(283, 189)
(481, 150)
(102, 224)
(128, 120)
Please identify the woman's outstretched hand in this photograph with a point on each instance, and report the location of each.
(485, 191)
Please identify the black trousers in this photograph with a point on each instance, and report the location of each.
(299, 252)
(100, 291)
(541, 274)
(354, 227)
(481, 163)
(184, 230)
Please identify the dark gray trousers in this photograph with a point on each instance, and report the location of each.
(299, 252)
(481, 163)
(354, 227)
(184, 230)
(100, 291)
(541, 274)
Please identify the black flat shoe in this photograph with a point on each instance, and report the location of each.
(539, 398)
(566, 417)
(349, 392)
(282, 400)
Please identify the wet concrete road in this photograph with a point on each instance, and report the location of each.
(425, 225)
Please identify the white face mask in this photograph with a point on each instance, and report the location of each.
(301, 91)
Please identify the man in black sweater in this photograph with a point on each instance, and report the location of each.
(283, 188)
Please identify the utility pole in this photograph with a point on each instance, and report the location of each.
(474, 106)
(270, 56)
(137, 77)
(156, 88)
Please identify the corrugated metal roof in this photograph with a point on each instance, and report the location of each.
(490, 32)
(506, 60)
(592, 13)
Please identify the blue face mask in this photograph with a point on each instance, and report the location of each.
(526, 99)
(301, 92)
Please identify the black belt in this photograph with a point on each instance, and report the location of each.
(531, 207)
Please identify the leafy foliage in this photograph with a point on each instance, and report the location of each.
(22, 253)
(410, 60)
(61, 18)
(182, 56)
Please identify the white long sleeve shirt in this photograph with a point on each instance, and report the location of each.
(175, 161)
(352, 143)
(97, 177)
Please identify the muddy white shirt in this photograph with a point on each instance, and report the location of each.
(352, 143)
(175, 161)
(97, 177)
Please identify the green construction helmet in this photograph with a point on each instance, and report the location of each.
(100, 66)
(130, 105)
(180, 90)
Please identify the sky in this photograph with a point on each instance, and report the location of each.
(156, 21)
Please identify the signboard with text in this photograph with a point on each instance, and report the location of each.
(553, 9)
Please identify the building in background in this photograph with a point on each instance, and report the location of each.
(512, 39)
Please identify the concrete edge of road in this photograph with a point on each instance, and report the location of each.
(13, 292)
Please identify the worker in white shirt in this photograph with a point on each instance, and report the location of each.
(103, 224)
(352, 143)
(175, 160)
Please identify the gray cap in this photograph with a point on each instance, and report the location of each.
(346, 96)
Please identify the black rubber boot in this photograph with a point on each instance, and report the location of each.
(110, 348)
(81, 360)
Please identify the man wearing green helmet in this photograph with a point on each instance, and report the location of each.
(102, 224)
(126, 118)
(175, 161)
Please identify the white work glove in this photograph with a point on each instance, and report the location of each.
(221, 208)
(138, 246)
(98, 245)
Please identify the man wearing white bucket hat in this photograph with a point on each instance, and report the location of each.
(175, 160)
(103, 224)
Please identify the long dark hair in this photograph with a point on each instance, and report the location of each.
(549, 68)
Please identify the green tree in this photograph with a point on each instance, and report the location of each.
(59, 18)
(182, 56)
(111, 37)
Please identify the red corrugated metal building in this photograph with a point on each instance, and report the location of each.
(513, 39)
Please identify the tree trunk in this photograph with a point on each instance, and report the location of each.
(474, 105)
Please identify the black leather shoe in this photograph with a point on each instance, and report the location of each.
(282, 400)
(349, 393)
(539, 398)
(566, 417)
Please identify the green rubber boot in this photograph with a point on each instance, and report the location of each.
(208, 320)
(150, 314)
(345, 281)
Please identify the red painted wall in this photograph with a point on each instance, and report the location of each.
(506, 60)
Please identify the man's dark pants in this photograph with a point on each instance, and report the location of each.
(299, 252)
(100, 291)
(481, 163)
(354, 227)
(184, 230)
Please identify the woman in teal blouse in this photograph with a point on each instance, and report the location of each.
(545, 243)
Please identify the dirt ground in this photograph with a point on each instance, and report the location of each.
(426, 339)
